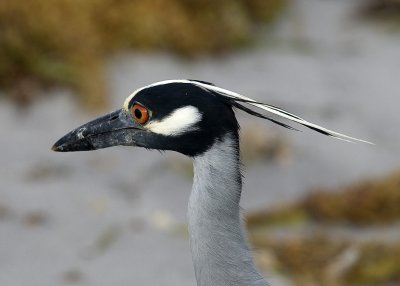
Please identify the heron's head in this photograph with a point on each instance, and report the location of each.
(174, 115)
(186, 116)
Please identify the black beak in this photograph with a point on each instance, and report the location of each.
(116, 128)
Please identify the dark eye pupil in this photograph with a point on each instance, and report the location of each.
(138, 113)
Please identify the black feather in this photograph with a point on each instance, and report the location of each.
(319, 130)
(255, 113)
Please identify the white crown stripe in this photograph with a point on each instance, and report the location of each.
(129, 98)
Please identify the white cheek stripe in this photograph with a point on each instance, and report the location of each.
(180, 121)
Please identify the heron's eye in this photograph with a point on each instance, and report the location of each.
(140, 113)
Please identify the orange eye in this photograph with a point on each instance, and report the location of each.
(140, 113)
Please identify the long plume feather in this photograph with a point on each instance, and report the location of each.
(238, 100)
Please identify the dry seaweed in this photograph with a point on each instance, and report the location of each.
(64, 42)
(368, 202)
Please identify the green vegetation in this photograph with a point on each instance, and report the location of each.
(333, 244)
(369, 202)
(323, 260)
(365, 203)
(64, 42)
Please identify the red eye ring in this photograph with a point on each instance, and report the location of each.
(140, 113)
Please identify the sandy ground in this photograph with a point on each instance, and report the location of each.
(116, 216)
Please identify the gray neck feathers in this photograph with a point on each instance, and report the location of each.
(219, 249)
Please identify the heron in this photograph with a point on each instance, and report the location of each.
(195, 118)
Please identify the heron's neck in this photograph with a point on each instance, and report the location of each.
(220, 253)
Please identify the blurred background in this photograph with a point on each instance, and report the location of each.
(319, 211)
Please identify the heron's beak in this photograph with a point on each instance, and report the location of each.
(116, 128)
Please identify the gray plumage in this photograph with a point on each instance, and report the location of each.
(220, 253)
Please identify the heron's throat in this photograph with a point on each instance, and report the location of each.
(219, 248)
